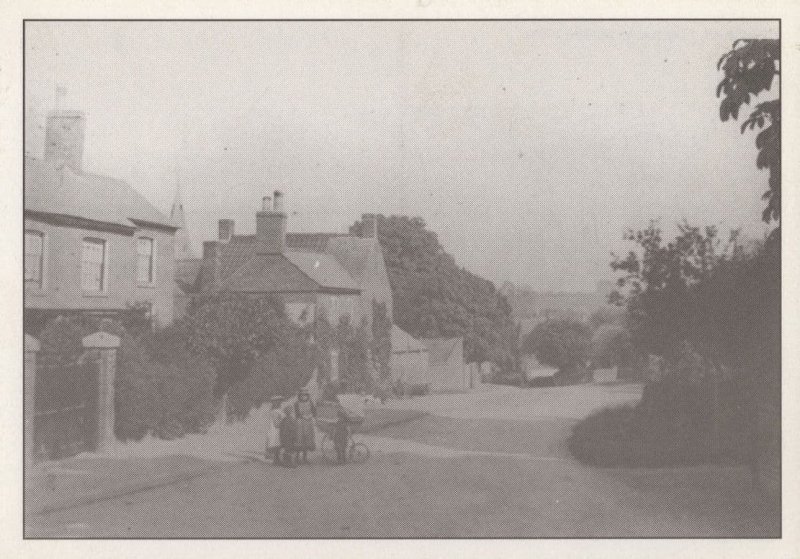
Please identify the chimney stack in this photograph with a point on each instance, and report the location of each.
(64, 138)
(271, 226)
(227, 228)
(369, 226)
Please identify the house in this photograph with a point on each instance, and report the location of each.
(410, 359)
(311, 284)
(446, 369)
(93, 244)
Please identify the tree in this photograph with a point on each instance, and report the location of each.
(433, 296)
(381, 340)
(611, 346)
(750, 68)
(234, 331)
(560, 343)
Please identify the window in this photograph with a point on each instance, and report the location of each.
(34, 259)
(144, 261)
(93, 265)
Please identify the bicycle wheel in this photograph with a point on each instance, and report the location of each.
(359, 452)
(328, 449)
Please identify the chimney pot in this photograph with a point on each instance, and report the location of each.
(278, 201)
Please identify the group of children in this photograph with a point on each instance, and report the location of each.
(291, 432)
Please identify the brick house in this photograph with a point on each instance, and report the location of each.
(93, 244)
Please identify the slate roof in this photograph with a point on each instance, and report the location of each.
(403, 342)
(314, 242)
(98, 198)
(440, 349)
(323, 269)
(269, 273)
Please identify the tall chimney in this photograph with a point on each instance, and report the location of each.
(64, 138)
(271, 226)
(369, 228)
(226, 229)
(212, 262)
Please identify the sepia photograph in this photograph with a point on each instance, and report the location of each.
(407, 279)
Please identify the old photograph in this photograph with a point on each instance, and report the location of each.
(402, 279)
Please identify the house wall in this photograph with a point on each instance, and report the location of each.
(452, 375)
(375, 285)
(63, 247)
(410, 367)
(334, 307)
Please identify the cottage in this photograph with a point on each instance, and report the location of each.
(93, 244)
(311, 284)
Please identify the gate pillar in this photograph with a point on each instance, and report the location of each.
(32, 347)
(106, 344)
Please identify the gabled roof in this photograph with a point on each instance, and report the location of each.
(64, 192)
(314, 242)
(269, 273)
(403, 342)
(323, 269)
(440, 349)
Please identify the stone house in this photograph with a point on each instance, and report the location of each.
(93, 244)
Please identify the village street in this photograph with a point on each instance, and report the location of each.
(489, 463)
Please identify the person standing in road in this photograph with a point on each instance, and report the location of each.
(306, 412)
(272, 447)
(288, 437)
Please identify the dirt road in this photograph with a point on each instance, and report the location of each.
(489, 464)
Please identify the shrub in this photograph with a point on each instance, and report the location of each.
(670, 426)
(162, 388)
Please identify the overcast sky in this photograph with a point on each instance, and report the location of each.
(527, 146)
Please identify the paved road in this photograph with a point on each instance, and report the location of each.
(490, 464)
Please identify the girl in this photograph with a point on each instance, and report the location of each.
(305, 411)
(272, 448)
(288, 434)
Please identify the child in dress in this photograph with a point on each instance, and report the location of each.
(272, 447)
(288, 436)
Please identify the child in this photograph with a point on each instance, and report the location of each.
(272, 448)
(288, 435)
(341, 436)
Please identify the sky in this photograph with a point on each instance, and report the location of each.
(528, 147)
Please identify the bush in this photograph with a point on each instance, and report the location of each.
(161, 387)
(670, 426)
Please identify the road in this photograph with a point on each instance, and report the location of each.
(487, 464)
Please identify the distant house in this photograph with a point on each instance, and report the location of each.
(311, 284)
(93, 244)
(533, 369)
(410, 359)
(446, 369)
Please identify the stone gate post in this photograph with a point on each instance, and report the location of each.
(31, 348)
(106, 344)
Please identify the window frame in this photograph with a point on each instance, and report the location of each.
(152, 272)
(40, 285)
(103, 270)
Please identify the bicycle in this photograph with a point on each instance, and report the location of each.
(357, 451)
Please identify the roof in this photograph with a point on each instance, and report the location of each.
(440, 349)
(323, 269)
(352, 253)
(243, 268)
(98, 198)
(403, 342)
(314, 242)
(269, 273)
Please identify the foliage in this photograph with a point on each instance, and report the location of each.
(381, 341)
(162, 387)
(611, 346)
(352, 345)
(560, 343)
(750, 68)
(433, 296)
(234, 330)
(660, 279)
(669, 427)
(612, 316)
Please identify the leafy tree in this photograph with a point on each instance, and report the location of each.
(750, 68)
(433, 296)
(381, 340)
(560, 343)
(234, 331)
(606, 315)
(611, 346)
(659, 277)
